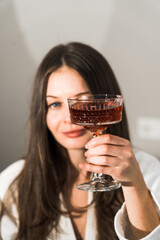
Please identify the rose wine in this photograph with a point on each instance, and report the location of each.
(96, 112)
(96, 116)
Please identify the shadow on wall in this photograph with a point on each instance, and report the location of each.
(126, 32)
(134, 54)
(16, 72)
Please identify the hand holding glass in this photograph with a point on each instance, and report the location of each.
(96, 113)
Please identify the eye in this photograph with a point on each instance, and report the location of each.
(54, 105)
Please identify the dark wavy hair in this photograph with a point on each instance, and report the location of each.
(36, 191)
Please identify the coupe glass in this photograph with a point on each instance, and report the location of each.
(97, 112)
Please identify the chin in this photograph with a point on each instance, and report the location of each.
(74, 143)
(74, 146)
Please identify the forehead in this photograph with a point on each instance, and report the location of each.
(65, 81)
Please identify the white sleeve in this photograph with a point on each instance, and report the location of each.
(7, 228)
(8, 175)
(150, 167)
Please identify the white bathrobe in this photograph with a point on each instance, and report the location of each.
(150, 167)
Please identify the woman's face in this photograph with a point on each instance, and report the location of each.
(62, 84)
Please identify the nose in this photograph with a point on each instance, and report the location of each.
(67, 117)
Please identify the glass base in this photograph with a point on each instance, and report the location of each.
(99, 185)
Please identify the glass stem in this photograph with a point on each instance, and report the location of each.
(97, 175)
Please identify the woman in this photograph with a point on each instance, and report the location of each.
(42, 201)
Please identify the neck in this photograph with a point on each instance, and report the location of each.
(77, 157)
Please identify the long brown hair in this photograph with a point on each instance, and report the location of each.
(36, 191)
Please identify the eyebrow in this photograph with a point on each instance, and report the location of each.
(79, 94)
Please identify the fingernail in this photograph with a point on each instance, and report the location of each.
(82, 165)
(85, 154)
(88, 145)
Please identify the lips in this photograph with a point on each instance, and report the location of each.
(75, 133)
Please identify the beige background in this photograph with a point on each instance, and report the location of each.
(126, 32)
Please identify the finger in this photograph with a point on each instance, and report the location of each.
(106, 161)
(107, 139)
(109, 150)
(96, 168)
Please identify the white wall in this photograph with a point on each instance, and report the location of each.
(126, 32)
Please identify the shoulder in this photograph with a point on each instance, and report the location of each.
(146, 160)
(8, 175)
(150, 168)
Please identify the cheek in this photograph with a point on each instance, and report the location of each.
(52, 123)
